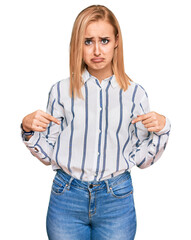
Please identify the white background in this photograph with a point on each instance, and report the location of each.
(34, 54)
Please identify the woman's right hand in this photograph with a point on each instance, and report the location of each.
(38, 121)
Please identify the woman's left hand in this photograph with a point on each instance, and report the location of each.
(153, 121)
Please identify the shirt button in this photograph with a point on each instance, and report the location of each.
(98, 153)
(100, 108)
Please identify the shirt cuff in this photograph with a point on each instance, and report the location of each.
(166, 128)
(32, 141)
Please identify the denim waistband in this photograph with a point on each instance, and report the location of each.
(91, 185)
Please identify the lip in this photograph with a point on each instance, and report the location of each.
(97, 60)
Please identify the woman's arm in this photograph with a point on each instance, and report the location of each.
(37, 121)
(151, 134)
(46, 127)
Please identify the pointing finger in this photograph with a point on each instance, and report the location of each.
(140, 118)
(51, 118)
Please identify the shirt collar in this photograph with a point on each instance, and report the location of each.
(86, 76)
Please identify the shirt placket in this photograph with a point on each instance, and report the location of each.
(100, 129)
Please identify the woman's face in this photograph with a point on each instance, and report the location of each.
(98, 46)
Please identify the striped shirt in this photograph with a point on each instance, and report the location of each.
(96, 139)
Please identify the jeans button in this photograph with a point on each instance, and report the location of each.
(91, 186)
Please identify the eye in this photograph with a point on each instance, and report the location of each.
(105, 41)
(88, 42)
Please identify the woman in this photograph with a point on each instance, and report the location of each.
(97, 127)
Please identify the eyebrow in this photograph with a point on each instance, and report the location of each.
(90, 38)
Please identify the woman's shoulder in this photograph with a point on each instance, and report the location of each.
(137, 89)
(61, 87)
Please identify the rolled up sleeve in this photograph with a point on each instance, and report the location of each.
(148, 146)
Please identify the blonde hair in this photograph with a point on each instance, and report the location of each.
(77, 65)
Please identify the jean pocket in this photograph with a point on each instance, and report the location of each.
(59, 185)
(123, 189)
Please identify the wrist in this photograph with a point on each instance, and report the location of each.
(26, 132)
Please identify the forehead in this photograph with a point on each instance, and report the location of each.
(99, 28)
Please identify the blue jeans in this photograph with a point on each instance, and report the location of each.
(96, 210)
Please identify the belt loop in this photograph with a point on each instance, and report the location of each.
(107, 184)
(68, 187)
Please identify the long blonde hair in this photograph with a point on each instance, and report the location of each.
(77, 65)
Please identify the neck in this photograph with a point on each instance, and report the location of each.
(100, 74)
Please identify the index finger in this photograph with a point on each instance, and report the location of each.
(51, 118)
(141, 117)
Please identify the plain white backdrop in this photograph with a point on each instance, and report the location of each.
(34, 54)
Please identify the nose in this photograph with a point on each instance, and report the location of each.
(97, 49)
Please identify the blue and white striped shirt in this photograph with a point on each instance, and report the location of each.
(96, 139)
